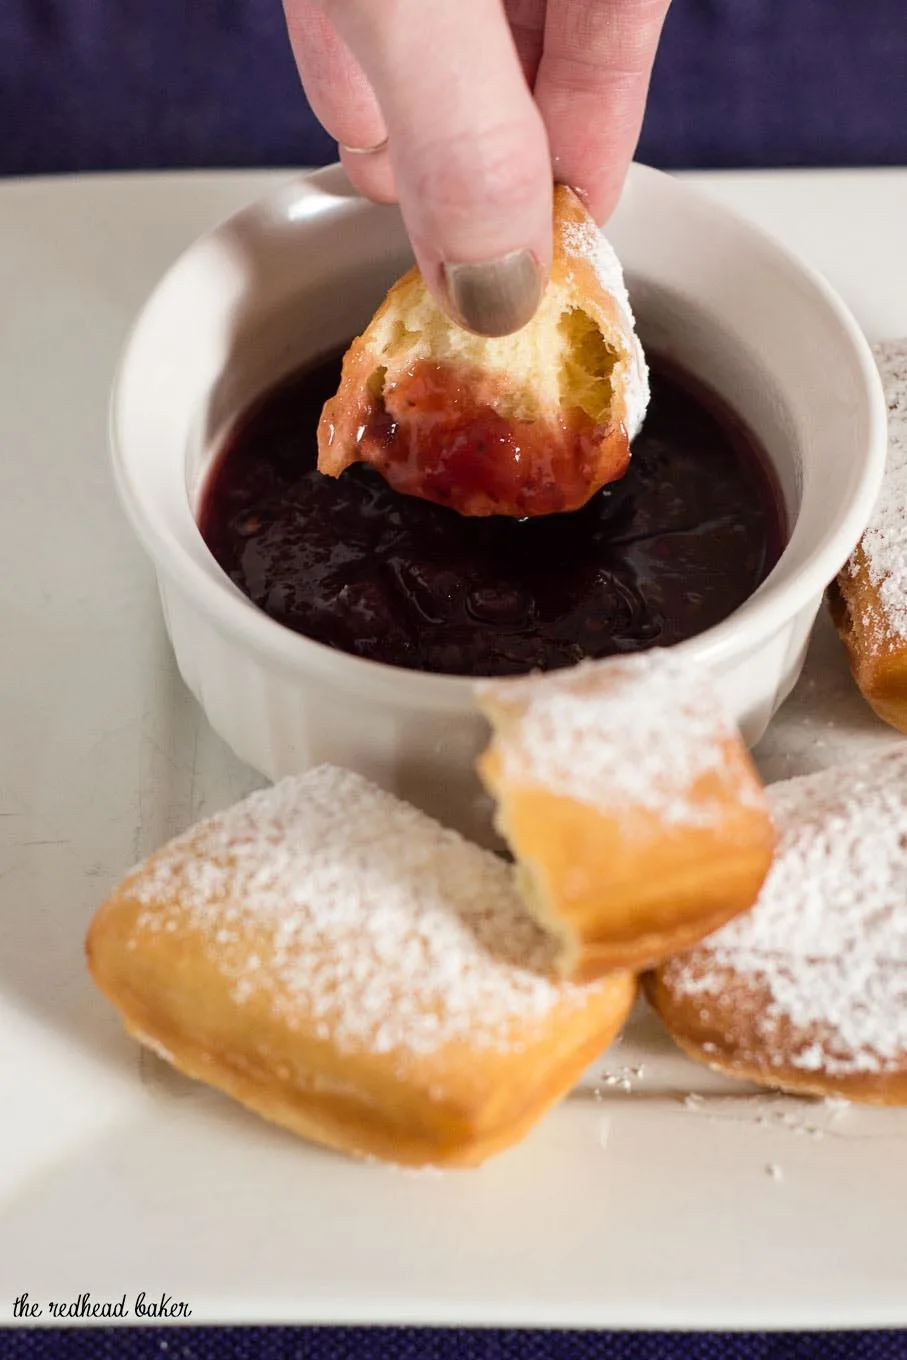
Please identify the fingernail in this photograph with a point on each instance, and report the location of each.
(496, 297)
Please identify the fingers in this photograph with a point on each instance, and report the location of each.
(591, 88)
(341, 97)
(527, 25)
(468, 149)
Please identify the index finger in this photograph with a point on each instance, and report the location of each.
(468, 148)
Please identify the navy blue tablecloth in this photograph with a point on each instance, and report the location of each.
(147, 84)
(345, 1343)
(142, 84)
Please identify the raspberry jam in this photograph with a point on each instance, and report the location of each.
(434, 440)
(672, 548)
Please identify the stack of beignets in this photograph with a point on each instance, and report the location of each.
(526, 424)
(352, 970)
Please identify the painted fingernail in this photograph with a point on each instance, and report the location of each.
(495, 297)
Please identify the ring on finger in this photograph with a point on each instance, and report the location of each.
(364, 150)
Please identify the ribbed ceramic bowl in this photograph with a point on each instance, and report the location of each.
(297, 275)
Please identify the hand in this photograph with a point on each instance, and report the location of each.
(465, 110)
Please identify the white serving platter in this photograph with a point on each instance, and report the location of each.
(633, 1205)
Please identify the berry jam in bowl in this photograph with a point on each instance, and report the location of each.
(670, 549)
(320, 619)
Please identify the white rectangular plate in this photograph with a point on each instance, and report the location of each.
(632, 1205)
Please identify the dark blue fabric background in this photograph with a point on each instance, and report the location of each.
(140, 84)
(345, 1343)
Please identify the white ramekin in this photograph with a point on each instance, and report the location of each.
(299, 273)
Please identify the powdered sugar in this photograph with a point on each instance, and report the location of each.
(357, 915)
(828, 936)
(637, 731)
(585, 241)
(885, 540)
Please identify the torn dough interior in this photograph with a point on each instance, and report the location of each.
(522, 425)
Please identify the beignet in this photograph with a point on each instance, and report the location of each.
(808, 992)
(631, 805)
(353, 971)
(868, 600)
(526, 424)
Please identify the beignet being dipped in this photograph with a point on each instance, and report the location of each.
(635, 814)
(526, 424)
(868, 600)
(350, 969)
(808, 992)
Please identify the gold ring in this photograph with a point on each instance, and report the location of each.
(363, 150)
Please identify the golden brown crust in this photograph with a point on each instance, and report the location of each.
(414, 387)
(720, 1028)
(806, 992)
(619, 881)
(625, 890)
(346, 412)
(876, 654)
(356, 1104)
(868, 600)
(182, 976)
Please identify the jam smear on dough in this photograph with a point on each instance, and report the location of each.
(429, 437)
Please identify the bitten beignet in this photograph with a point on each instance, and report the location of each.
(808, 992)
(350, 969)
(868, 600)
(632, 807)
(527, 424)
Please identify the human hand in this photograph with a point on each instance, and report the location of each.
(464, 111)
